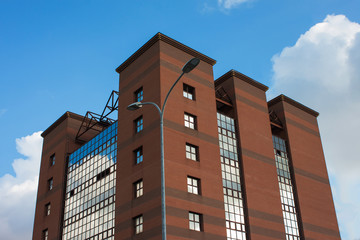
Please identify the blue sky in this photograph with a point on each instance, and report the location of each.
(57, 56)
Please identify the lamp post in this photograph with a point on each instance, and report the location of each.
(189, 66)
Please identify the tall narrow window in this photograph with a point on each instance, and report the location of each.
(139, 188)
(192, 152)
(286, 189)
(195, 221)
(190, 121)
(139, 95)
(47, 209)
(138, 154)
(52, 160)
(193, 185)
(138, 224)
(45, 234)
(138, 124)
(50, 184)
(230, 171)
(188, 92)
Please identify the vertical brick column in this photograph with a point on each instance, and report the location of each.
(59, 139)
(304, 145)
(256, 155)
(209, 203)
(142, 69)
(155, 67)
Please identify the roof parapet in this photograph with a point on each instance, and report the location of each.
(161, 37)
(234, 73)
(293, 103)
(60, 120)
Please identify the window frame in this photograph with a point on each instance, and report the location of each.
(141, 125)
(45, 234)
(190, 153)
(141, 155)
(138, 192)
(186, 114)
(136, 97)
(193, 186)
(138, 225)
(198, 223)
(52, 160)
(187, 91)
(50, 184)
(47, 209)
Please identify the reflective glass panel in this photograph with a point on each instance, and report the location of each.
(230, 169)
(89, 211)
(286, 189)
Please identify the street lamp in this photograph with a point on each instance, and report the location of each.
(188, 67)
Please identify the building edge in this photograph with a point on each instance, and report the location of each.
(66, 115)
(234, 73)
(162, 37)
(294, 103)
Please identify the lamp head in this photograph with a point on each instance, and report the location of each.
(190, 65)
(134, 106)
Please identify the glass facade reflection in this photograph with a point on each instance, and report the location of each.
(286, 190)
(230, 169)
(89, 212)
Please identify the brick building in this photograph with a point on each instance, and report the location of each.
(236, 165)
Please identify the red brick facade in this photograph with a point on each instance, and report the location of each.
(154, 68)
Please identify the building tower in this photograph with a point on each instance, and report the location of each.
(236, 166)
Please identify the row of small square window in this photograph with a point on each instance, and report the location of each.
(193, 186)
(189, 122)
(188, 92)
(195, 222)
(191, 152)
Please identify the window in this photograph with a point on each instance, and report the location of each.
(52, 160)
(188, 92)
(195, 221)
(50, 184)
(291, 221)
(190, 121)
(138, 224)
(47, 209)
(103, 174)
(193, 185)
(138, 153)
(235, 221)
(138, 124)
(45, 235)
(191, 152)
(139, 95)
(139, 188)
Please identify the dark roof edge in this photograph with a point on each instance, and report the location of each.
(294, 103)
(60, 120)
(234, 73)
(157, 37)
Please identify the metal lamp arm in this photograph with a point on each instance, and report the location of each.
(154, 104)
(167, 96)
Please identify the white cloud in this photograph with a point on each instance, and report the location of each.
(18, 193)
(322, 71)
(228, 4)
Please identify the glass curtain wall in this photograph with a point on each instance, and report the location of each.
(233, 197)
(286, 189)
(89, 212)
